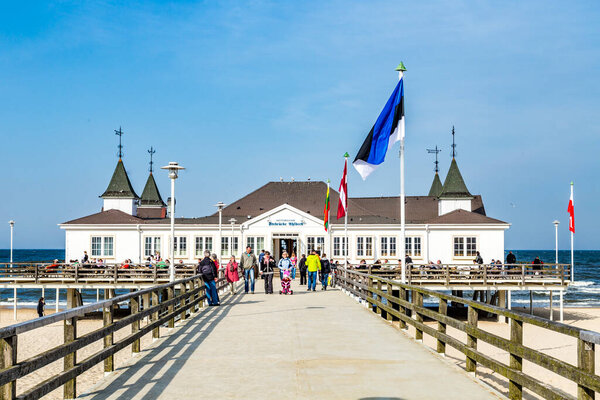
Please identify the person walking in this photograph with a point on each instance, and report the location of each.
(479, 259)
(40, 307)
(325, 271)
(208, 270)
(302, 268)
(284, 263)
(511, 258)
(313, 265)
(247, 264)
(294, 260)
(267, 268)
(232, 274)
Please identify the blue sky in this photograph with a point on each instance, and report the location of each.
(244, 93)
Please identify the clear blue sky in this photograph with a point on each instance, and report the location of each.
(243, 93)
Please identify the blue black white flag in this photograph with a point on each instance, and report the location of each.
(388, 129)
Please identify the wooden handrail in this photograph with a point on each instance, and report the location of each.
(396, 305)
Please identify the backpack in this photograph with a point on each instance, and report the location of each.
(207, 271)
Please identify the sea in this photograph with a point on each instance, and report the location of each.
(584, 292)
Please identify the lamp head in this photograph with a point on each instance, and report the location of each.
(11, 223)
(173, 169)
(556, 222)
(233, 221)
(220, 205)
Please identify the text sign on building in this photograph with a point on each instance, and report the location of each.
(286, 222)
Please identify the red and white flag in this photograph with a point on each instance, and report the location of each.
(343, 202)
(571, 211)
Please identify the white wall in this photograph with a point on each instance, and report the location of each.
(128, 206)
(447, 205)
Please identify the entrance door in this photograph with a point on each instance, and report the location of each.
(284, 244)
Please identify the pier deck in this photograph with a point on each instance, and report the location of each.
(305, 346)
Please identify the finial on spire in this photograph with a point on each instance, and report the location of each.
(119, 133)
(435, 151)
(401, 67)
(151, 151)
(453, 144)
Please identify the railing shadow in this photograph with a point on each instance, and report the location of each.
(189, 337)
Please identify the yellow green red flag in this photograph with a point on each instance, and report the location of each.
(326, 210)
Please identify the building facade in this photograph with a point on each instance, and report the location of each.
(449, 224)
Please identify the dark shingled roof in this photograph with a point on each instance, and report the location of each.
(151, 195)
(120, 186)
(464, 217)
(436, 186)
(454, 185)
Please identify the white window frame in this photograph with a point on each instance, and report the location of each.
(315, 243)
(103, 247)
(364, 246)
(411, 246)
(203, 242)
(256, 243)
(180, 248)
(226, 249)
(340, 246)
(388, 247)
(154, 247)
(465, 239)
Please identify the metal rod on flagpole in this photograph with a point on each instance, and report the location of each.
(346, 214)
(572, 252)
(401, 70)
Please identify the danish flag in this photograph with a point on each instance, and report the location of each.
(571, 211)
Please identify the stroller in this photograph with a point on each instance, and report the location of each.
(286, 282)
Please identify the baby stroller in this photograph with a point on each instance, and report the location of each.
(286, 282)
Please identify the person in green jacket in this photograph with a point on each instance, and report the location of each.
(313, 263)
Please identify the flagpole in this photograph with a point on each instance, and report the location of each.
(401, 70)
(572, 252)
(346, 215)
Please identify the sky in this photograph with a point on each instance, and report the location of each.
(242, 93)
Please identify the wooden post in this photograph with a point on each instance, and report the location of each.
(107, 318)
(443, 310)
(155, 302)
(396, 306)
(418, 301)
(369, 293)
(115, 273)
(135, 326)
(391, 304)
(170, 295)
(585, 360)
(472, 340)
(378, 309)
(37, 273)
(70, 334)
(155, 273)
(183, 291)
(402, 308)
(515, 390)
(8, 358)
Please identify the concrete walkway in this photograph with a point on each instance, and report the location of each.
(319, 345)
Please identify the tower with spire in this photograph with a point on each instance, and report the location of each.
(120, 195)
(151, 202)
(436, 185)
(454, 194)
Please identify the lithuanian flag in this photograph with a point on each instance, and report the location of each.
(326, 210)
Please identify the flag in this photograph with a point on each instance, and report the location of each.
(326, 210)
(388, 129)
(342, 208)
(571, 211)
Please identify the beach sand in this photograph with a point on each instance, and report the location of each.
(559, 346)
(39, 340)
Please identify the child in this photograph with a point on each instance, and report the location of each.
(286, 282)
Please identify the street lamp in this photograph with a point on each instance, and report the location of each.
(173, 169)
(220, 206)
(12, 227)
(232, 221)
(556, 222)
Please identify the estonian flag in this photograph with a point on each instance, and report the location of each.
(388, 129)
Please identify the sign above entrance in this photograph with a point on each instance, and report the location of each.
(286, 222)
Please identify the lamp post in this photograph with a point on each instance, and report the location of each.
(556, 222)
(12, 227)
(232, 221)
(220, 206)
(173, 169)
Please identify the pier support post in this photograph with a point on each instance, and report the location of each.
(107, 318)
(146, 304)
(57, 298)
(170, 295)
(183, 291)
(531, 302)
(8, 358)
(515, 390)
(402, 308)
(502, 303)
(396, 306)
(70, 334)
(15, 304)
(380, 299)
(471, 340)
(560, 297)
(418, 301)
(135, 326)
(154, 317)
(586, 355)
(389, 291)
(551, 312)
(443, 310)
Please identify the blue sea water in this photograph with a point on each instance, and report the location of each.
(584, 292)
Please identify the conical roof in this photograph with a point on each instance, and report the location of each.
(120, 186)
(454, 185)
(436, 186)
(151, 195)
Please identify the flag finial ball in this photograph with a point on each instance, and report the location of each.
(571, 183)
(346, 154)
(401, 67)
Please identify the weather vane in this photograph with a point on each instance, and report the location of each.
(151, 151)
(453, 144)
(119, 133)
(435, 151)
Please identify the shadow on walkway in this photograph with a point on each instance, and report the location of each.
(178, 346)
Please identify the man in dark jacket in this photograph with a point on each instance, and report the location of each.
(267, 268)
(302, 268)
(511, 258)
(208, 270)
(325, 271)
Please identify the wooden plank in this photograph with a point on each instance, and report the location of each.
(135, 325)
(402, 308)
(170, 294)
(418, 301)
(70, 335)
(154, 317)
(443, 310)
(183, 290)
(515, 389)
(472, 317)
(8, 358)
(585, 361)
(107, 318)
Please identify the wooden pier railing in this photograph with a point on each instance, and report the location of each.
(395, 301)
(163, 305)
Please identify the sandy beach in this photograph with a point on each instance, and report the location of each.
(43, 339)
